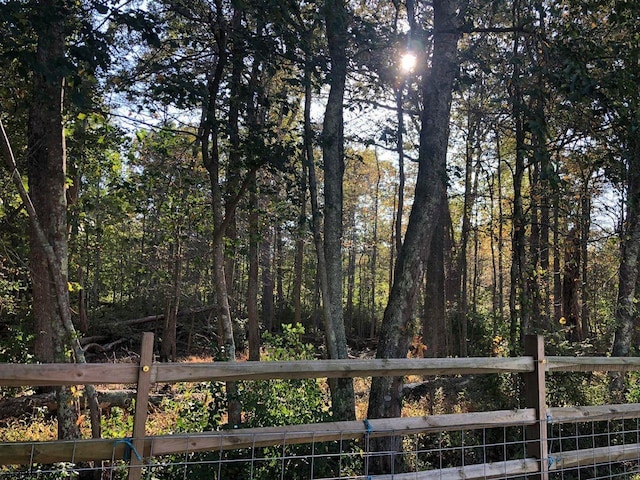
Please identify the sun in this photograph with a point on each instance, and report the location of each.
(408, 62)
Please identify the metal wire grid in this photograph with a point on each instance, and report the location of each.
(587, 437)
(355, 459)
(317, 460)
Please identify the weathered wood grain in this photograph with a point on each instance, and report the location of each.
(594, 456)
(594, 413)
(69, 374)
(54, 374)
(593, 364)
(508, 469)
(339, 368)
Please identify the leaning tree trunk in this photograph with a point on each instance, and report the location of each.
(628, 274)
(209, 131)
(384, 399)
(342, 396)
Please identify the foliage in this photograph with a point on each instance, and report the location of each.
(266, 403)
(285, 402)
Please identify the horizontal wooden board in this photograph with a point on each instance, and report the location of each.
(324, 432)
(592, 364)
(593, 413)
(83, 450)
(509, 468)
(13, 375)
(338, 368)
(52, 374)
(594, 456)
(121, 373)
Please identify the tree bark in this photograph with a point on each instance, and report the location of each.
(469, 199)
(374, 250)
(384, 399)
(209, 132)
(46, 156)
(299, 254)
(435, 313)
(630, 254)
(336, 18)
(168, 348)
(232, 185)
(252, 281)
(570, 286)
(518, 300)
(266, 266)
(585, 228)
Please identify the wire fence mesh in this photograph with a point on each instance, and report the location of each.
(577, 450)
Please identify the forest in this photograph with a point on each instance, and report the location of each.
(408, 177)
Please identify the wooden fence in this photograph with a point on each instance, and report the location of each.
(533, 367)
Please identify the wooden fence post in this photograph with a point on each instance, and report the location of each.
(142, 404)
(535, 397)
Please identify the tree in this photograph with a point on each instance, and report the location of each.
(336, 18)
(395, 334)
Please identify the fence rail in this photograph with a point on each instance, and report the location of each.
(56, 374)
(539, 460)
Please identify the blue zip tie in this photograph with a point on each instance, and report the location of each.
(551, 461)
(549, 418)
(130, 448)
(368, 427)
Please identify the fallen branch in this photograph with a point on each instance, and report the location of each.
(153, 318)
(24, 406)
(94, 346)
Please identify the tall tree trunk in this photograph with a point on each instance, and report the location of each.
(533, 269)
(557, 274)
(401, 176)
(299, 254)
(493, 180)
(47, 213)
(46, 158)
(252, 282)
(434, 322)
(374, 248)
(336, 18)
(266, 267)
(462, 310)
(209, 132)
(500, 232)
(384, 398)
(237, 56)
(351, 270)
(630, 254)
(322, 290)
(570, 286)
(518, 301)
(541, 293)
(168, 347)
(585, 227)
(279, 284)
